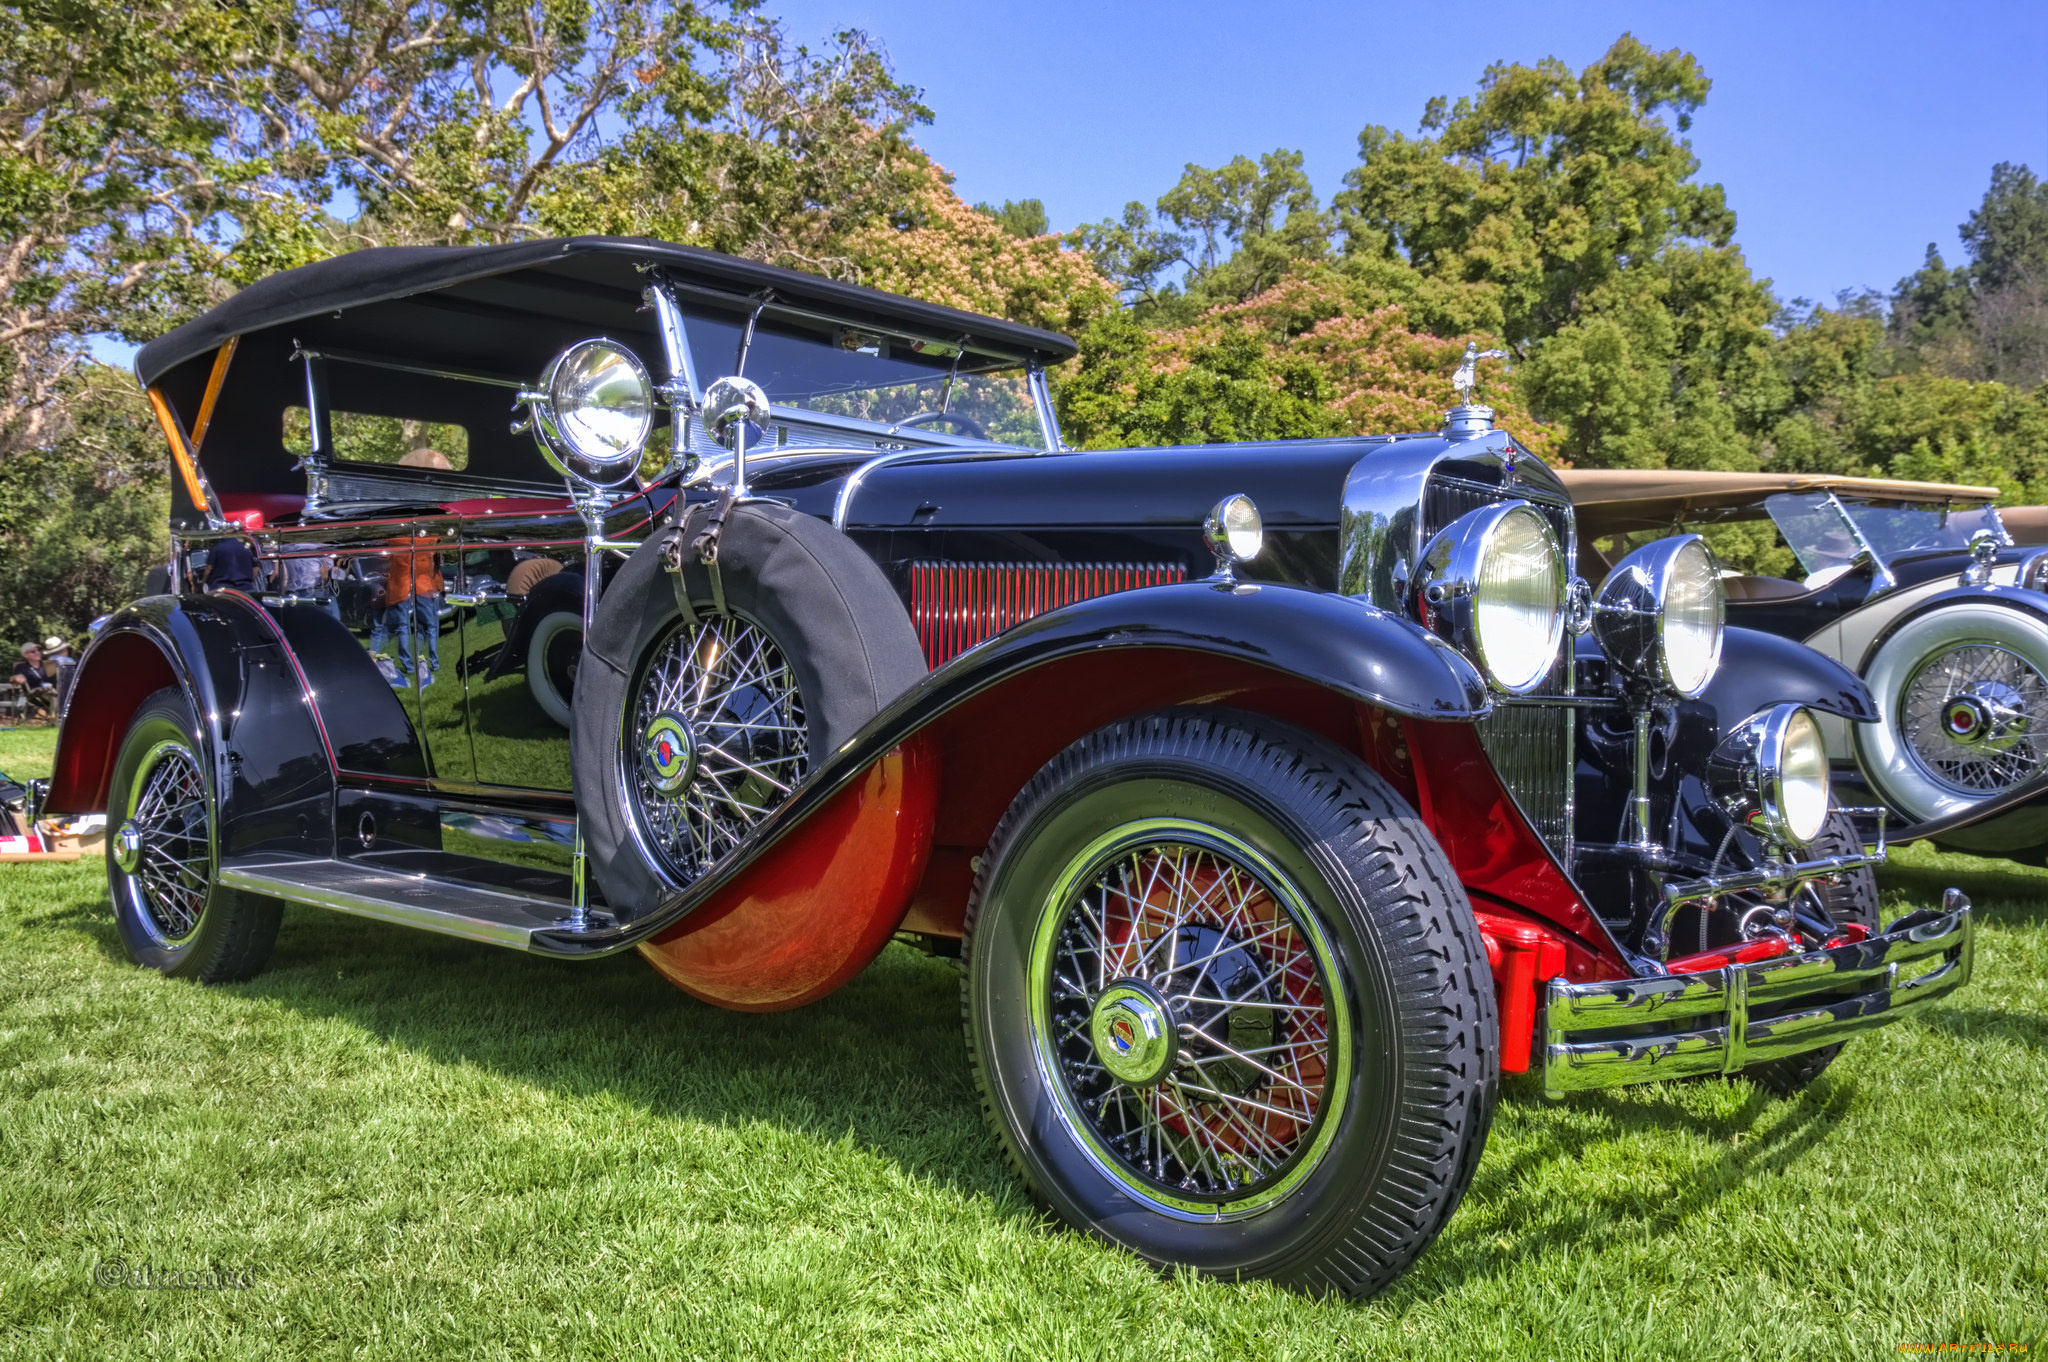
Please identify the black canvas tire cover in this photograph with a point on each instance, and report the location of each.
(825, 603)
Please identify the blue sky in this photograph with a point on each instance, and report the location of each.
(1848, 136)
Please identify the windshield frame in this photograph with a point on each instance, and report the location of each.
(1823, 500)
(970, 354)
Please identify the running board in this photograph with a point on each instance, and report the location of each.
(419, 901)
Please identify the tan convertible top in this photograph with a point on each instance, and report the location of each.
(1618, 500)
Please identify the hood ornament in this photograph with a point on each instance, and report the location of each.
(1468, 419)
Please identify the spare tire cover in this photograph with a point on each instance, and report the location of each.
(825, 604)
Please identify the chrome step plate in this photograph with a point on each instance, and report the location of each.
(419, 901)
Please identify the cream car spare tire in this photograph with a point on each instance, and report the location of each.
(1962, 694)
(688, 731)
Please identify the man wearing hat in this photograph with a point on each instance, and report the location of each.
(34, 681)
(60, 666)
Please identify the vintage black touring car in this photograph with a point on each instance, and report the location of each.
(1276, 797)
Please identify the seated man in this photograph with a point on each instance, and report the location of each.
(60, 666)
(34, 681)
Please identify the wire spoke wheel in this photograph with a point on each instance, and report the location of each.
(715, 740)
(1971, 718)
(173, 842)
(1193, 1026)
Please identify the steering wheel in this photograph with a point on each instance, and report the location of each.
(969, 427)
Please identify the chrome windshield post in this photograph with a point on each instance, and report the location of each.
(314, 464)
(680, 392)
(1041, 401)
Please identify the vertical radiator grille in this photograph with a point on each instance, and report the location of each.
(1530, 746)
(1445, 499)
(957, 605)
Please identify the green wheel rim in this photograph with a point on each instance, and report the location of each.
(1175, 912)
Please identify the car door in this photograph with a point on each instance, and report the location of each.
(520, 625)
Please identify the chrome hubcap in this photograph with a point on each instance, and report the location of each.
(1968, 718)
(165, 846)
(718, 743)
(1191, 1020)
(128, 848)
(1134, 1034)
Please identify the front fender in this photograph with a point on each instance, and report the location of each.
(2032, 603)
(998, 712)
(1759, 670)
(261, 741)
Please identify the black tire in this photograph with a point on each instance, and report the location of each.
(790, 579)
(172, 914)
(1852, 900)
(1344, 1201)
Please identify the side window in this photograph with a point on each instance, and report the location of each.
(362, 438)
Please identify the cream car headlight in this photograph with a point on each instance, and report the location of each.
(1771, 775)
(594, 411)
(1493, 584)
(1661, 613)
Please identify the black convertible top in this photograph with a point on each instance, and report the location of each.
(379, 273)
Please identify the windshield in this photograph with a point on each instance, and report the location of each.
(1816, 527)
(868, 375)
(1825, 533)
(1896, 530)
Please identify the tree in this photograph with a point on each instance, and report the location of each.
(1022, 218)
(82, 517)
(1229, 387)
(1571, 199)
(1989, 318)
(119, 163)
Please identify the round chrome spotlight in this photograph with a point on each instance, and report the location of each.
(594, 412)
(1771, 775)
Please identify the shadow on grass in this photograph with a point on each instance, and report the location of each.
(2002, 891)
(883, 1060)
(1982, 1023)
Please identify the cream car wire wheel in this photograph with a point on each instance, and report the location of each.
(724, 686)
(1171, 922)
(165, 845)
(1962, 695)
(1971, 717)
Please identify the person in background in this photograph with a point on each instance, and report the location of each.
(412, 600)
(60, 666)
(231, 565)
(34, 681)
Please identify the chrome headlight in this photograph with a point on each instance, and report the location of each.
(594, 411)
(1771, 775)
(1493, 583)
(1660, 614)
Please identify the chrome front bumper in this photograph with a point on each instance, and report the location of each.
(1680, 1025)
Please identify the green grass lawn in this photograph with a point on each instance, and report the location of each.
(416, 1147)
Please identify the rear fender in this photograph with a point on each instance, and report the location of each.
(259, 735)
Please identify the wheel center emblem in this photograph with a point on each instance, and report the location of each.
(668, 754)
(128, 847)
(1134, 1034)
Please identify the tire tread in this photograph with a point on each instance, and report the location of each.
(1444, 1003)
